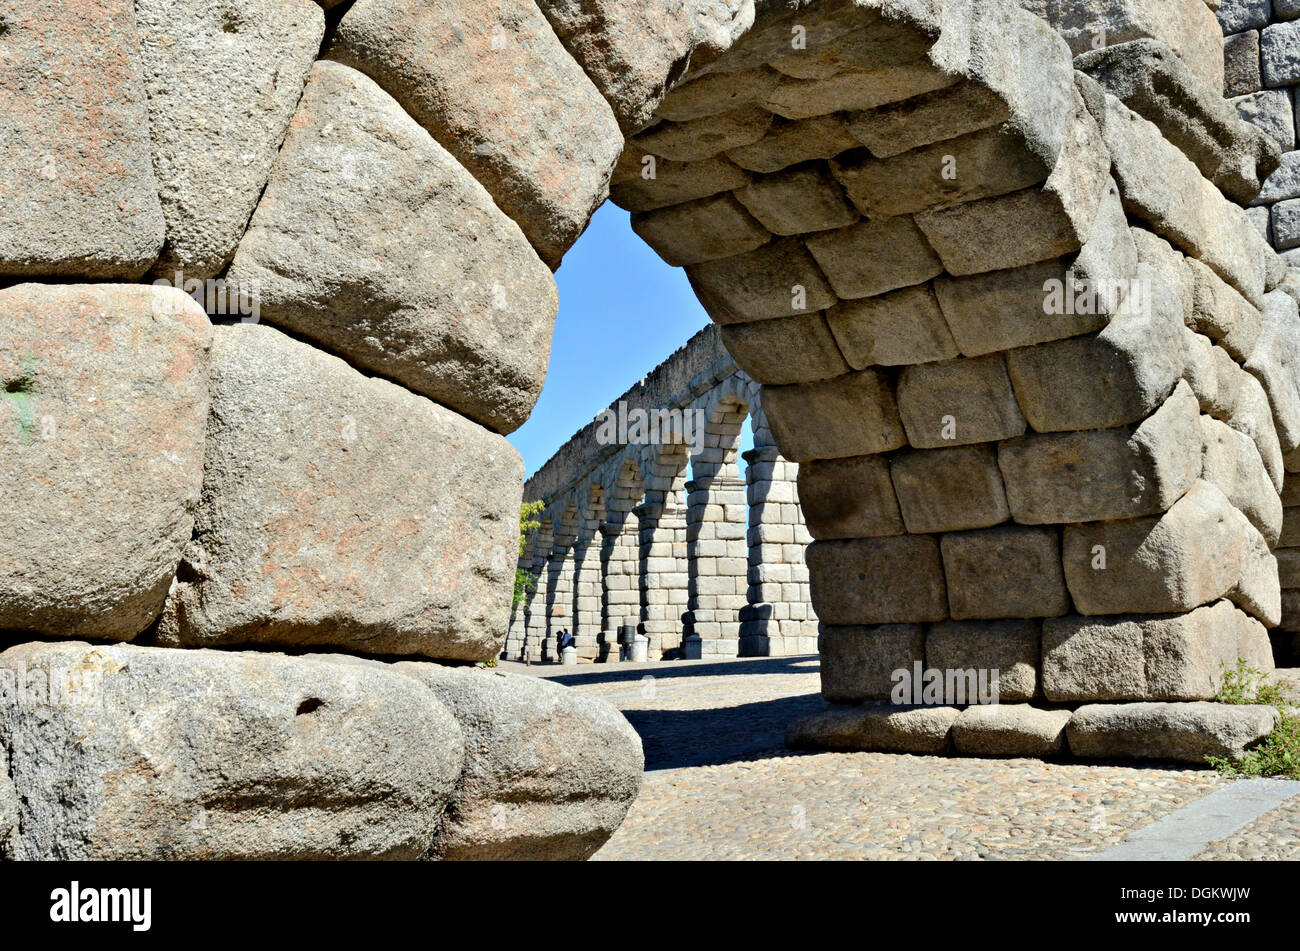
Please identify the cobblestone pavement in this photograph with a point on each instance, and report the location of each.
(719, 785)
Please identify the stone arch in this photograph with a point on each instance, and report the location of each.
(663, 568)
(620, 556)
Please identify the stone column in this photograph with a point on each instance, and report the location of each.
(587, 595)
(620, 580)
(778, 619)
(718, 562)
(663, 572)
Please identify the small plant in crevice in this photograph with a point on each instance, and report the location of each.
(1278, 755)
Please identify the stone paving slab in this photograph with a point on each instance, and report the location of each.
(719, 785)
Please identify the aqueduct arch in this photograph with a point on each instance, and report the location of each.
(870, 198)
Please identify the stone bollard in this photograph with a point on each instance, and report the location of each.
(640, 652)
(693, 647)
(569, 657)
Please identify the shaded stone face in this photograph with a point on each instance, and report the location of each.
(342, 510)
(103, 407)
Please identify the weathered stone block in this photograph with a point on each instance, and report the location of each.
(785, 350)
(1237, 15)
(705, 138)
(1105, 474)
(549, 773)
(872, 257)
(220, 84)
(1009, 571)
(798, 200)
(791, 142)
(644, 182)
(958, 402)
(1010, 730)
(494, 85)
(717, 93)
(1141, 657)
(1181, 732)
(1009, 647)
(902, 327)
(1241, 71)
(796, 98)
(103, 405)
(340, 509)
(349, 247)
(1279, 59)
(847, 580)
(931, 117)
(945, 490)
(882, 726)
(254, 756)
(851, 415)
(1119, 376)
(1270, 111)
(80, 199)
(1201, 550)
(849, 498)
(1230, 461)
(704, 230)
(858, 662)
(777, 280)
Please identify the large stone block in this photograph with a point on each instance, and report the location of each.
(103, 404)
(79, 195)
(1105, 474)
(1279, 61)
(872, 257)
(659, 183)
(947, 490)
(214, 755)
(494, 85)
(902, 327)
(712, 94)
(877, 726)
(791, 142)
(1241, 68)
(1141, 657)
(858, 663)
(1188, 27)
(795, 98)
(705, 138)
(1009, 647)
(1181, 732)
(1201, 550)
(341, 510)
(1156, 84)
(1162, 187)
(1010, 730)
(222, 82)
(849, 498)
(1230, 461)
(698, 231)
(851, 415)
(785, 350)
(1007, 572)
(549, 773)
(1243, 405)
(1031, 225)
(1050, 300)
(630, 49)
(373, 241)
(777, 280)
(877, 580)
(1275, 362)
(798, 200)
(958, 402)
(1116, 377)
(931, 117)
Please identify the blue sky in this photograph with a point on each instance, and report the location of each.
(622, 311)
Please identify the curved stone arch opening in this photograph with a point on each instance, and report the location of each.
(621, 557)
(663, 563)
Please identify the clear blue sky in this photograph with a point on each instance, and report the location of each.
(622, 312)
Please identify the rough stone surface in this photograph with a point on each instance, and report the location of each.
(846, 576)
(777, 280)
(894, 329)
(1182, 732)
(1141, 657)
(549, 773)
(1005, 572)
(873, 257)
(1009, 647)
(883, 727)
(947, 490)
(213, 755)
(858, 662)
(79, 195)
(372, 241)
(850, 415)
(1010, 730)
(1105, 474)
(341, 510)
(849, 498)
(957, 402)
(698, 231)
(103, 405)
(785, 350)
(1231, 462)
(493, 84)
(221, 81)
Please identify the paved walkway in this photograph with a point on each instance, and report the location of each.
(719, 785)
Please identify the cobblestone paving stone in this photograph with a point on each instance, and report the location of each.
(1274, 836)
(718, 785)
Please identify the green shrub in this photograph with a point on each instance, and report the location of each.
(1279, 753)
